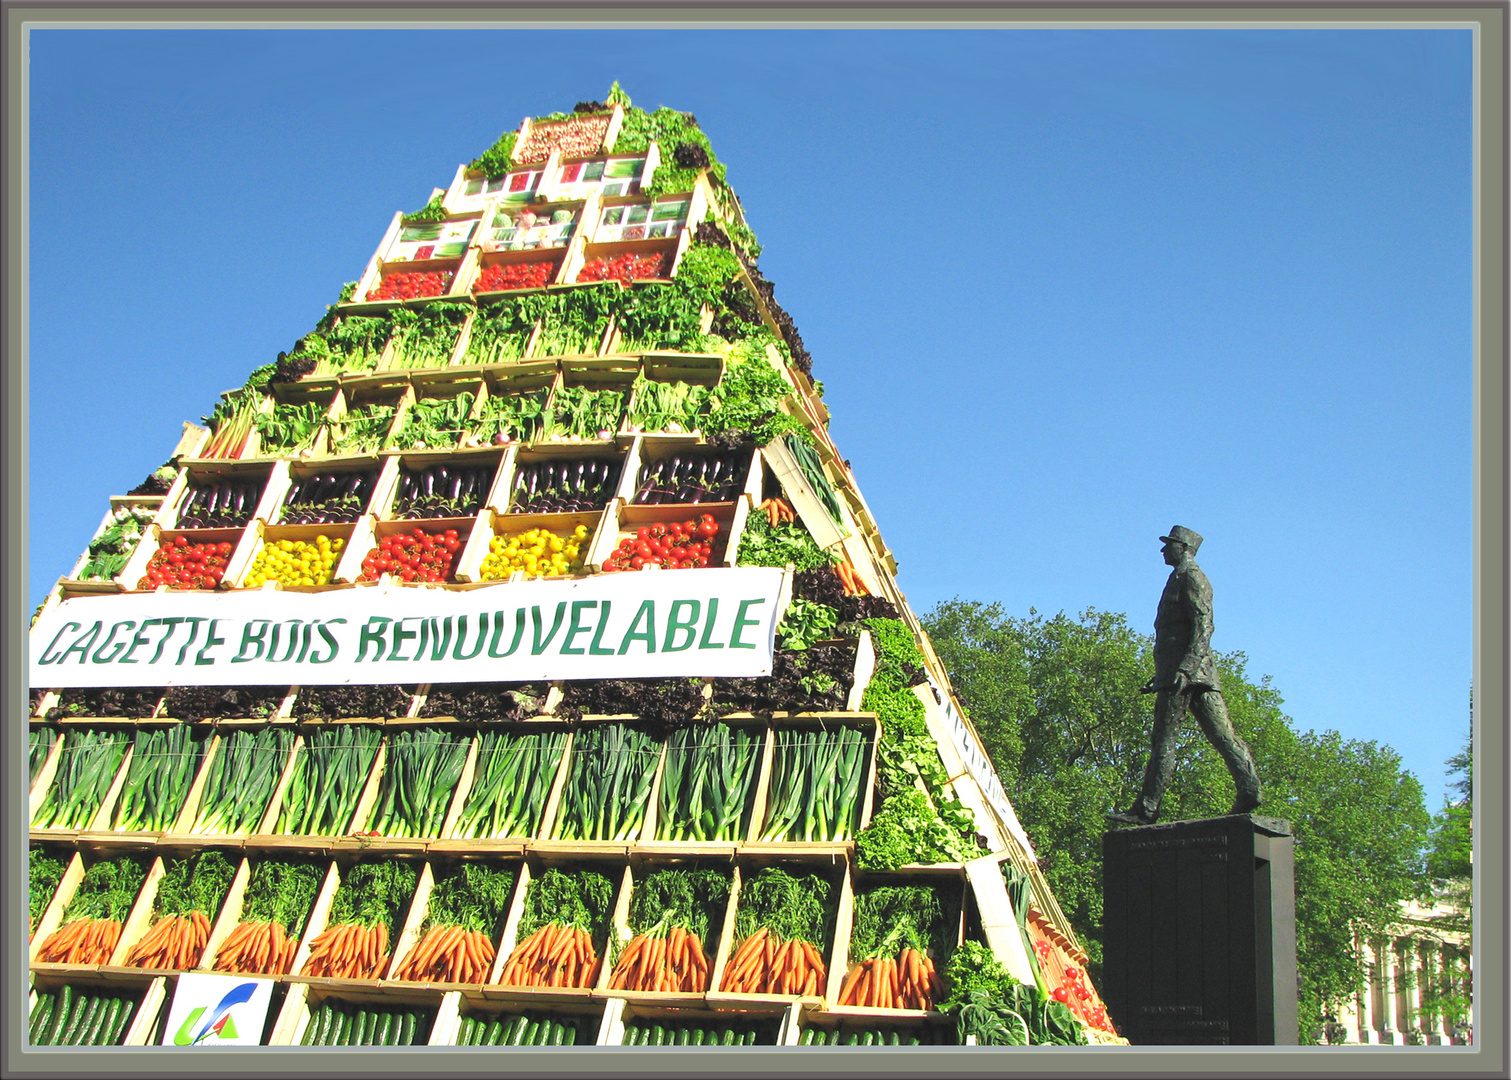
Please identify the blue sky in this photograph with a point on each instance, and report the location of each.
(1065, 289)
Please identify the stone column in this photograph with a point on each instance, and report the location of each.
(1364, 1030)
(1385, 975)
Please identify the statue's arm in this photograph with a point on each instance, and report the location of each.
(1196, 598)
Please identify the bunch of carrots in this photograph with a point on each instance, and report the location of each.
(908, 982)
(854, 586)
(555, 955)
(83, 941)
(765, 964)
(261, 948)
(448, 954)
(93, 919)
(274, 908)
(662, 960)
(175, 942)
(348, 951)
(367, 904)
(777, 511)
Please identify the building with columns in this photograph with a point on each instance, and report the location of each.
(1413, 977)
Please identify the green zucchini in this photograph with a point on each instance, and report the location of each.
(347, 1029)
(385, 1028)
(112, 1009)
(697, 1039)
(123, 1018)
(570, 1038)
(729, 1037)
(407, 1029)
(59, 1016)
(322, 1026)
(81, 1008)
(312, 1028)
(547, 1031)
(90, 1028)
(807, 1037)
(516, 1030)
(40, 1015)
(495, 1029)
(558, 1033)
(913, 1040)
(480, 1036)
(464, 1033)
(71, 1019)
(750, 1038)
(658, 1035)
(894, 1039)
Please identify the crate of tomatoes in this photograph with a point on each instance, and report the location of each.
(671, 545)
(414, 555)
(180, 563)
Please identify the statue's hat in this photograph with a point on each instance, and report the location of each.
(1182, 535)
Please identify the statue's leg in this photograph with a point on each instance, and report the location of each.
(1169, 711)
(1212, 714)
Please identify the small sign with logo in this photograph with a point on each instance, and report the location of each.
(218, 1010)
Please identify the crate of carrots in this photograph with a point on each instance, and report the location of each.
(365, 915)
(784, 927)
(187, 899)
(93, 919)
(672, 920)
(460, 913)
(274, 911)
(563, 930)
(901, 939)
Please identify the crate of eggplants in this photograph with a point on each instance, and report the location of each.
(442, 491)
(228, 504)
(563, 486)
(328, 498)
(678, 479)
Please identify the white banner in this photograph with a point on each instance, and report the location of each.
(715, 622)
(979, 766)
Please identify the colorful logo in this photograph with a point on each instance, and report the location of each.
(219, 1025)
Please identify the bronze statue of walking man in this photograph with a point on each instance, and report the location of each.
(1185, 677)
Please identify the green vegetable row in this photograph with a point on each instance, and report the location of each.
(74, 1017)
(514, 774)
(521, 1029)
(877, 1036)
(651, 1033)
(242, 779)
(343, 1023)
(86, 769)
(163, 764)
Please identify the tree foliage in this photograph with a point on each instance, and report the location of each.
(1056, 701)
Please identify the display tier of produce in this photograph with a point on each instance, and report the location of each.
(566, 364)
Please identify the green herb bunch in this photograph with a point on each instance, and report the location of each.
(473, 896)
(581, 899)
(694, 899)
(108, 890)
(44, 874)
(194, 883)
(282, 892)
(375, 894)
(794, 907)
(890, 918)
(427, 336)
(434, 424)
(765, 544)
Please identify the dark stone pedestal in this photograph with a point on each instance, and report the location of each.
(1199, 932)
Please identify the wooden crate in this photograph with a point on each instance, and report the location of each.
(634, 874)
(143, 915)
(116, 502)
(199, 475)
(262, 534)
(470, 1004)
(151, 992)
(85, 859)
(553, 824)
(52, 915)
(754, 805)
(628, 519)
(744, 870)
(102, 816)
(863, 722)
(470, 565)
(320, 914)
(534, 865)
(386, 499)
(234, 906)
(464, 788)
(809, 508)
(306, 996)
(300, 472)
(949, 881)
(770, 1018)
(410, 936)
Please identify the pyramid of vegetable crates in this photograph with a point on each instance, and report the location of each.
(515, 661)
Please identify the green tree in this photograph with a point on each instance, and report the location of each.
(1450, 866)
(1056, 701)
